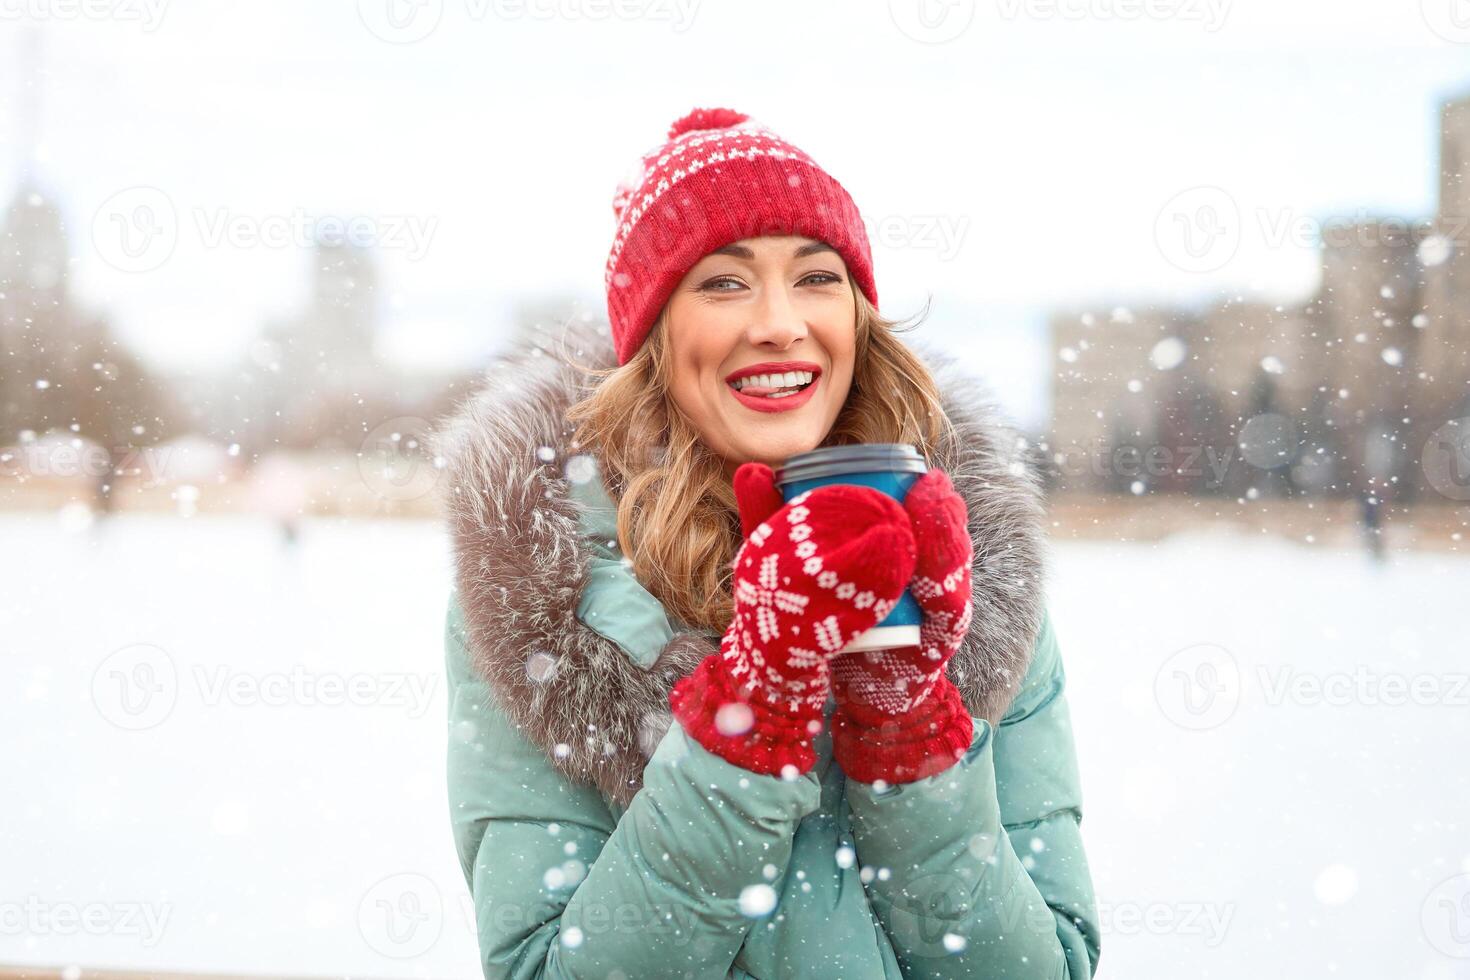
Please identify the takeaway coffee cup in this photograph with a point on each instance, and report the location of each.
(888, 467)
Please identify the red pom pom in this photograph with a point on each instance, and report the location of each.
(707, 119)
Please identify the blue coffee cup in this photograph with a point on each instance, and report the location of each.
(888, 467)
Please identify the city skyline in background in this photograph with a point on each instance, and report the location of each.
(532, 182)
(1362, 389)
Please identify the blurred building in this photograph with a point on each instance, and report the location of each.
(60, 366)
(1336, 396)
(315, 380)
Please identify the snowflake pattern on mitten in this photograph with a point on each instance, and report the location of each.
(899, 717)
(808, 579)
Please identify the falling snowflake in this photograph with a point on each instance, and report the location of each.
(1167, 354)
(1435, 250)
(757, 901)
(541, 666)
(581, 468)
(734, 718)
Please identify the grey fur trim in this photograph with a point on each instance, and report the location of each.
(520, 565)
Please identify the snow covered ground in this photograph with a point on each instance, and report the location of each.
(223, 754)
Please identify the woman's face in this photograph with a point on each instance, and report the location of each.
(779, 304)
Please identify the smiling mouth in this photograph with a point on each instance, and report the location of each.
(773, 388)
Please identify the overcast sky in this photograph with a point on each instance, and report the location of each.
(1010, 156)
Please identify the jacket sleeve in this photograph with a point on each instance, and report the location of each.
(980, 869)
(560, 889)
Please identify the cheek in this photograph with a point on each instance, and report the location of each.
(695, 381)
(707, 347)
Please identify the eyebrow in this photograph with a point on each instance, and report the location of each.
(741, 252)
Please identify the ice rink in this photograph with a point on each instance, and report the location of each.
(225, 753)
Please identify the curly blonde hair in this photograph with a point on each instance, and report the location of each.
(677, 517)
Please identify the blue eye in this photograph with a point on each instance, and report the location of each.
(821, 279)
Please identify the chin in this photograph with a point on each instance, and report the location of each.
(773, 451)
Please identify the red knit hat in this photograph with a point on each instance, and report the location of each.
(720, 177)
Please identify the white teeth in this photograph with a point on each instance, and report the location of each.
(785, 380)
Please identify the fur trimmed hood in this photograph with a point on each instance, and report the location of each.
(520, 562)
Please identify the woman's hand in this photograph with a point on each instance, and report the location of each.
(899, 718)
(810, 576)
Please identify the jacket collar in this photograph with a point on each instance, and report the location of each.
(527, 531)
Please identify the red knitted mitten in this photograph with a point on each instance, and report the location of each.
(810, 576)
(899, 718)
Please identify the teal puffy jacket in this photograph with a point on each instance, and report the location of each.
(619, 847)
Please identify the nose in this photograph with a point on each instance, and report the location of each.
(777, 322)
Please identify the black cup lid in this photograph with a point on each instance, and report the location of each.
(894, 457)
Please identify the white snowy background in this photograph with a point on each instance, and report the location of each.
(240, 820)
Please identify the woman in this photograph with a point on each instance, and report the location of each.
(657, 768)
